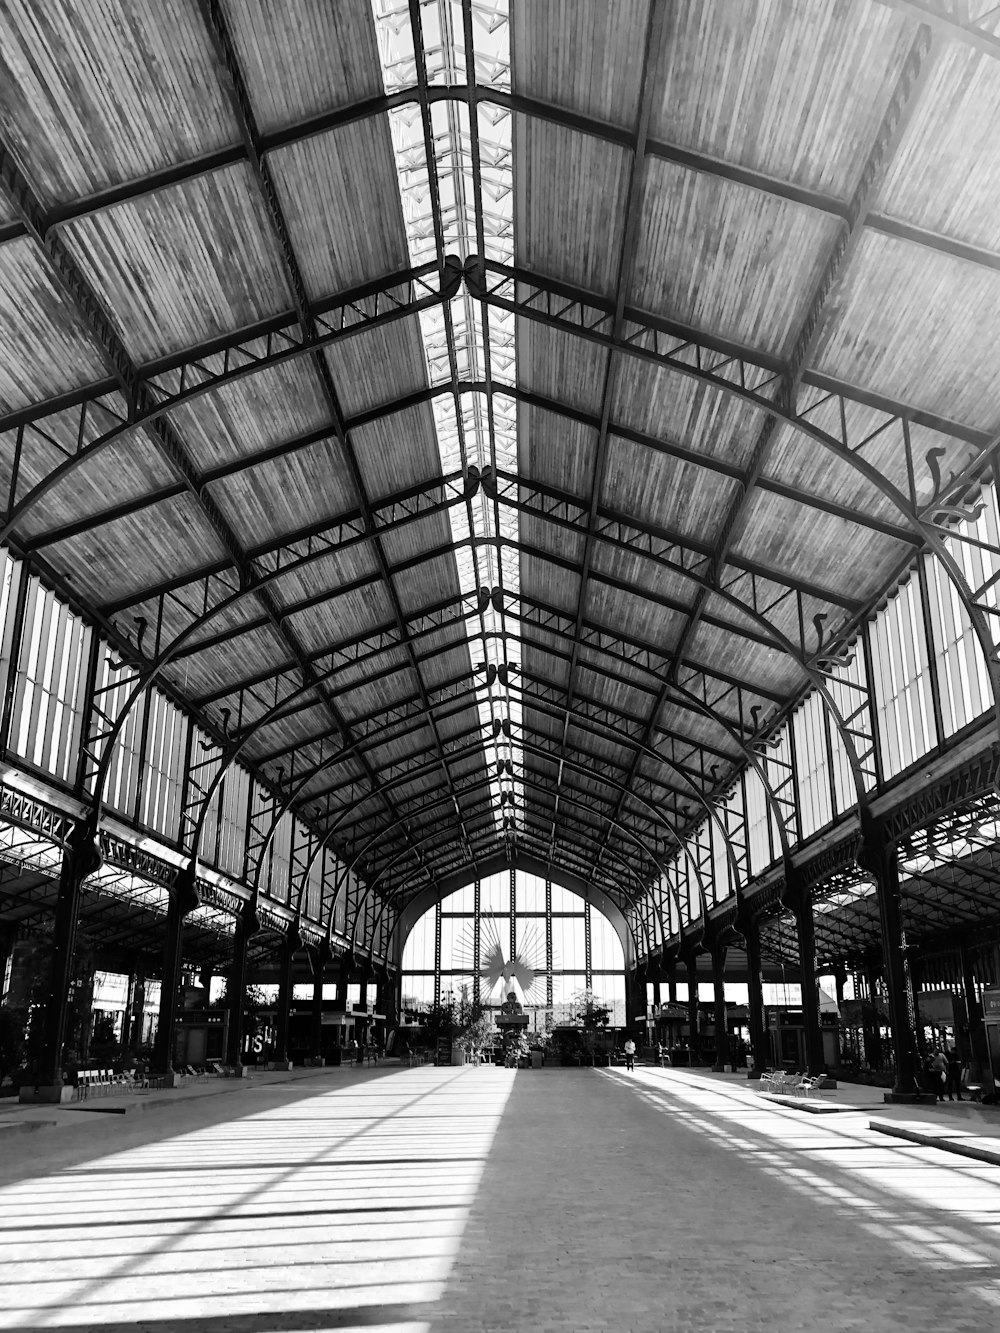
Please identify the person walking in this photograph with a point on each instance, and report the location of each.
(629, 1053)
(939, 1073)
(954, 1083)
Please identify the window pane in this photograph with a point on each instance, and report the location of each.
(606, 951)
(569, 943)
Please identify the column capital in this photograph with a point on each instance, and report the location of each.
(184, 890)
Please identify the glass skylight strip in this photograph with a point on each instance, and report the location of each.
(465, 344)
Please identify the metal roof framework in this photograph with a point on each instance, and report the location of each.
(505, 439)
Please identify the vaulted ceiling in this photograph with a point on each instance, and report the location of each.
(495, 418)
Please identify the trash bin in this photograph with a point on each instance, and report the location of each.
(536, 1059)
(457, 1053)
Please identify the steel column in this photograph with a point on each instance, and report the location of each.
(878, 857)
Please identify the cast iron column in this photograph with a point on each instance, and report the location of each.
(81, 858)
(290, 945)
(878, 857)
(319, 956)
(796, 896)
(976, 1049)
(750, 930)
(691, 963)
(247, 925)
(718, 955)
(183, 900)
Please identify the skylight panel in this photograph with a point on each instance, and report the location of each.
(472, 348)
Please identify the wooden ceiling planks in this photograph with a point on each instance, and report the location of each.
(795, 91)
(185, 265)
(303, 57)
(398, 451)
(101, 95)
(47, 348)
(679, 409)
(129, 469)
(727, 259)
(957, 123)
(339, 194)
(672, 493)
(585, 55)
(280, 496)
(119, 559)
(570, 192)
(98, 94)
(912, 324)
(378, 366)
(250, 415)
(555, 450)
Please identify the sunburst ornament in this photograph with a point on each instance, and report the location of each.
(523, 972)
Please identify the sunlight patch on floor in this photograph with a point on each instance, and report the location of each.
(942, 1211)
(354, 1198)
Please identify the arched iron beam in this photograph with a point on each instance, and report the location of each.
(605, 732)
(529, 747)
(646, 347)
(577, 869)
(484, 829)
(394, 894)
(636, 347)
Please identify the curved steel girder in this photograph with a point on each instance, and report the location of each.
(484, 827)
(393, 894)
(749, 754)
(540, 842)
(194, 376)
(444, 800)
(471, 694)
(155, 666)
(475, 747)
(529, 747)
(574, 833)
(634, 346)
(779, 641)
(679, 359)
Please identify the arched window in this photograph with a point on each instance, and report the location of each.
(517, 931)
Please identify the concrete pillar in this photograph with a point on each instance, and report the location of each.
(81, 858)
(722, 1056)
(183, 900)
(878, 857)
(247, 925)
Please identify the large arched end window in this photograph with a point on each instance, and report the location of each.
(517, 931)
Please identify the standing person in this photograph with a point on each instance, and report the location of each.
(629, 1053)
(954, 1084)
(939, 1073)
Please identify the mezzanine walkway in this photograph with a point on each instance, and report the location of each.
(439, 1199)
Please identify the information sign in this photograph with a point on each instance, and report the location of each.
(443, 1056)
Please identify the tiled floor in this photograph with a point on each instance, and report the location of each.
(480, 1199)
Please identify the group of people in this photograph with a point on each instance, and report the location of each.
(942, 1073)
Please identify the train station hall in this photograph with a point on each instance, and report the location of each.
(499, 666)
